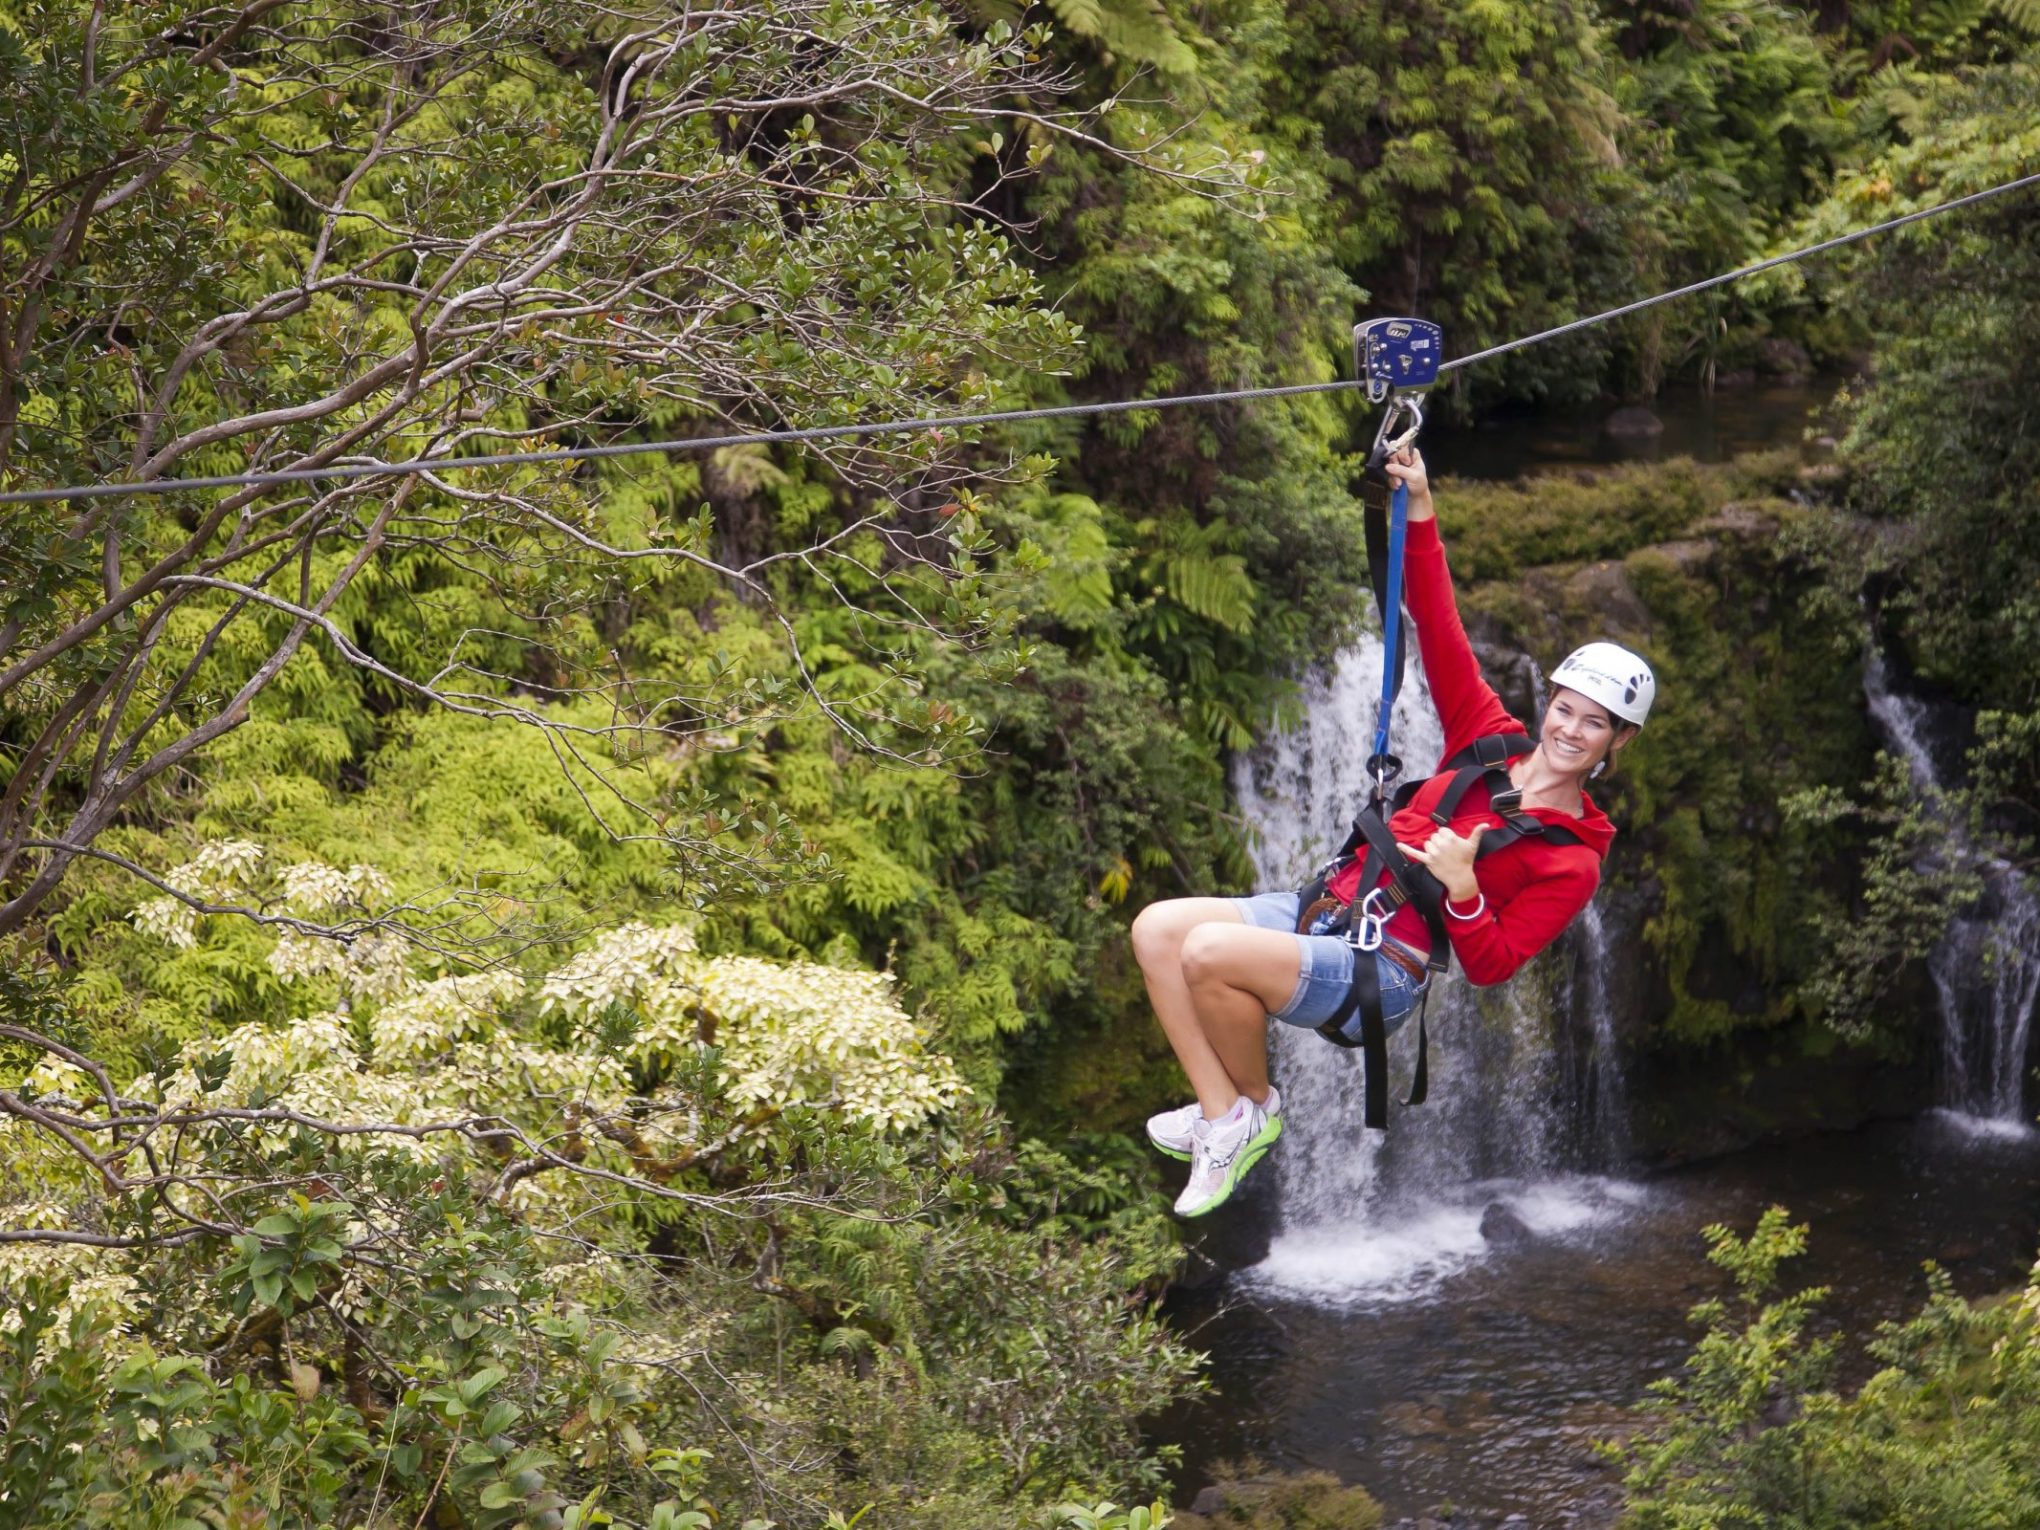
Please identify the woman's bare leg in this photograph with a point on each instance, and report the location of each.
(1211, 1047)
(1238, 975)
(1159, 931)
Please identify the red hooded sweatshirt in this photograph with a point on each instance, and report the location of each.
(1532, 889)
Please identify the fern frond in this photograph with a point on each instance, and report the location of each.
(1139, 32)
(846, 1343)
(1213, 586)
(2022, 15)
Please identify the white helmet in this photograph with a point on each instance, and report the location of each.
(1611, 675)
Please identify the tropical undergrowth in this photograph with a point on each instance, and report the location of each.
(884, 742)
(1754, 1431)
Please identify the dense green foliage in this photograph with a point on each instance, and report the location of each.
(928, 1335)
(500, 734)
(940, 708)
(1760, 699)
(1943, 495)
(1945, 453)
(1945, 1433)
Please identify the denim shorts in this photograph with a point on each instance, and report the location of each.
(1327, 969)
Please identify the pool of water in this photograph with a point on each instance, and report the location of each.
(1434, 1366)
(1708, 427)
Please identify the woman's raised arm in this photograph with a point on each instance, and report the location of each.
(1467, 705)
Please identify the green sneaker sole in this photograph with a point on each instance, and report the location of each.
(1181, 1155)
(1255, 1150)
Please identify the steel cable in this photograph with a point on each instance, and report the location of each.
(346, 470)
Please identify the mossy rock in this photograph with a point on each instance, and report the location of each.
(1249, 1499)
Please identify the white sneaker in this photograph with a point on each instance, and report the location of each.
(1221, 1153)
(1170, 1131)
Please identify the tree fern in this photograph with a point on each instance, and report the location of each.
(846, 1343)
(1215, 586)
(1198, 570)
(2021, 14)
(1138, 32)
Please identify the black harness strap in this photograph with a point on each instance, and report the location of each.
(1486, 759)
(1365, 995)
(1491, 755)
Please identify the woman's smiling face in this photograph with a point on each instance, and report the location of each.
(1578, 733)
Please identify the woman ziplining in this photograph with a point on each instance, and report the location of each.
(1491, 858)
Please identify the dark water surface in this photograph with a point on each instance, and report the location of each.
(1485, 1387)
(1708, 427)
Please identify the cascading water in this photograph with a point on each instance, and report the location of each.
(1596, 1085)
(1368, 1214)
(1986, 969)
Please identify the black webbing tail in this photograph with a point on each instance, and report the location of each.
(1365, 996)
(1420, 1080)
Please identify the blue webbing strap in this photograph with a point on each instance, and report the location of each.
(1391, 616)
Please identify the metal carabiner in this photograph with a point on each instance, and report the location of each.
(1369, 921)
(1400, 406)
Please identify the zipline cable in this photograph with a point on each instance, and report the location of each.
(374, 469)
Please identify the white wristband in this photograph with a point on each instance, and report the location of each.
(1478, 909)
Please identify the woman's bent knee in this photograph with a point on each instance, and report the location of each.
(1160, 929)
(1264, 963)
(1208, 954)
(1156, 934)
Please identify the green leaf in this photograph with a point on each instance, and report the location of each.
(484, 1380)
(499, 1495)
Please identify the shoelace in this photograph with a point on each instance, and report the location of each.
(1231, 1153)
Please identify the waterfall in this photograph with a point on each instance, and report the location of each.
(1986, 969)
(1596, 1086)
(1370, 1214)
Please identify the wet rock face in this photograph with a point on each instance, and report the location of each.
(1503, 1228)
(1634, 424)
(1209, 1501)
(1512, 672)
(1786, 359)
